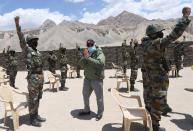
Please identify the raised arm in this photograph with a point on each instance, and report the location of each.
(20, 34)
(179, 28)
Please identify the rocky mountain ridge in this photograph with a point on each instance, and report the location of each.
(109, 32)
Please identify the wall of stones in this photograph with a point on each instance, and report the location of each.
(112, 54)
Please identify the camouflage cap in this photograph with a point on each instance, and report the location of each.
(153, 29)
(31, 37)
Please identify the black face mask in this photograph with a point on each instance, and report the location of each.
(33, 44)
(12, 54)
(160, 34)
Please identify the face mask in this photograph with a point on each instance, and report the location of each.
(91, 49)
(33, 44)
(160, 34)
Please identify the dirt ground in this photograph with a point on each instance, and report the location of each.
(61, 108)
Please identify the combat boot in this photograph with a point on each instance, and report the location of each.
(166, 110)
(34, 122)
(63, 88)
(39, 118)
(157, 128)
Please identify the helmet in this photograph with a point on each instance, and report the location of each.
(31, 37)
(153, 29)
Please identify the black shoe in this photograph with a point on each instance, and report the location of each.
(98, 117)
(63, 88)
(83, 113)
(40, 119)
(35, 123)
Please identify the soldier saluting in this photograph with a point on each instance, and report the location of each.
(157, 79)
(35, 76)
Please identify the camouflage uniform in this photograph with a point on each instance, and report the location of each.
(157, 78)
(35, 76)
(63, 67)
(78, 57)
(146, 88)
(12, 67)
(178, 57)
(134, 63)
(125, 56)
(52, 62)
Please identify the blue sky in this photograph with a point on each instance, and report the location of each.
(69, 8)
(34, 12)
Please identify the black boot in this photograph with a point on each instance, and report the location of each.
(157, 128)
(166, 110)
(34, 122)
(39, 118)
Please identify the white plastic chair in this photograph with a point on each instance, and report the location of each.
(6, 96)
(71, 71)
(118, 70)
(131, 114)
(123, 78)
(4, 78)
(53, 80)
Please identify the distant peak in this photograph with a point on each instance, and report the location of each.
(48, 23)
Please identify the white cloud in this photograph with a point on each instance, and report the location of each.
(74, 1)
(30, 18)
(150, 9)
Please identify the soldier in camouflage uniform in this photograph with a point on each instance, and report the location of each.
(157, 78)
(12, 67)
(78, 57)
(35, 76)
(52, 62)
(63, 68)
(125, 56)
(134, 63)
(178, 57)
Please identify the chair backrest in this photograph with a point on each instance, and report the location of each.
(6, 93)
(51, 77)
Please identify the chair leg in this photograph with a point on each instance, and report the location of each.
(128, 88)
(15, 120)
(57, 86)
(53, 85)
(5, 118)
(50, 86)
(150, 123)
(123, 124)
(118, 85)
(145, 123)
(127, 125)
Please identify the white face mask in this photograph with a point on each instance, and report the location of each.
(91, 49)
